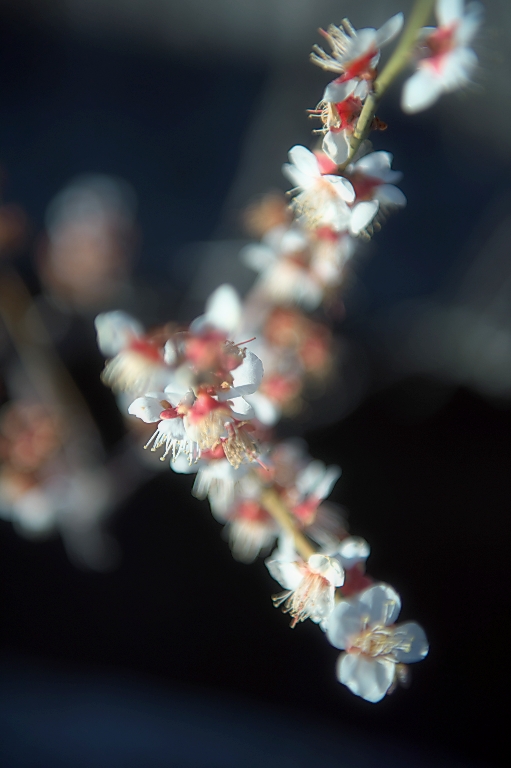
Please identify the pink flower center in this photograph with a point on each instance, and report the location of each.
(364, 186)
(360, 67)
(440, 43)
(349, 111)
(146, 348)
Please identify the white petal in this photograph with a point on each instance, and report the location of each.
(380, 604)
(374, 164)
(366, 677)
(336, 92)
(265, 411)
(147, 408)
(304, 160)
(362, 215)
(247, 377)
(327, 482)
(345, 623)
(241, 409)
(362, 44)
(169, 352)
(223, 309)
(389, 30)
(288, 575)
(353, 550)
(342, 187)
(390, 195)
(172, 428)
(337, 146)
(420, 91)
(115, 330)
(182, 466)
(458, 68)
(330, 569)
(470, 23)
(292, 241)
(448, 11)
(414, 641)
(297, 178)
(362, 90)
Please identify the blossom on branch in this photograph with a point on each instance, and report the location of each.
(446, 62)
(374, 645)
(309, 586)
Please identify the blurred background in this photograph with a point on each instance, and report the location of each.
(132, 136)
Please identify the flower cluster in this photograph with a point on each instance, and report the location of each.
(190, 383)
(215, 413)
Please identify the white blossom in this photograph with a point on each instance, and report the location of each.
(447, 62)
(364, 627)
(323, 199)
(355, 52)
(310, 587)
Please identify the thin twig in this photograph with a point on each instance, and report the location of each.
(274, 505)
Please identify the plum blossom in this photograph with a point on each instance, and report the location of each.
(374, 645)
(446, 62)
(355, 53)
(250, 529)
(323, 199)
(136, 362)
(309, 586)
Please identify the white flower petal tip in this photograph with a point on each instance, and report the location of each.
(420, 91)
(390, 29)
(362, 215)
(115, 330)
(352, 551)
(366, 678)
(223, 309)
(147, 409)
(336, 146)
(336, 92)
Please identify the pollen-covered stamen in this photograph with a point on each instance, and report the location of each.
(207, 420)
(308, 599)
(175, 444)
(239, 446)
(379, 641)
(339, 39)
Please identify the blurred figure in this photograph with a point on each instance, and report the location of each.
(85, 259)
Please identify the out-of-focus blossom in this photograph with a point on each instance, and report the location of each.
(374, 645)
(42, 492)
(373, 180)
(446, 62)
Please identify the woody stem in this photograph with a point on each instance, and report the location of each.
(274, 505)
(397, 62)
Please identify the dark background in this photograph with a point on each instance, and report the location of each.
(426, 462)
